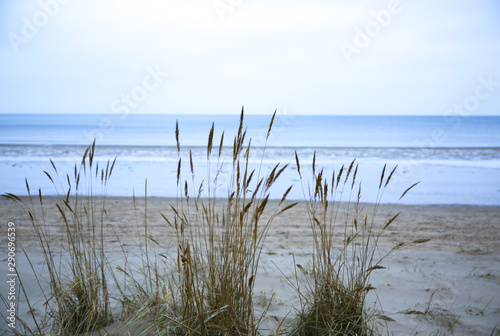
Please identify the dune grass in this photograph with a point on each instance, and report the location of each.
(78, 297)
(219, 233)
(345, 253)
(219, 241)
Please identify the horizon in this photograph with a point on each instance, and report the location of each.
(254, 114)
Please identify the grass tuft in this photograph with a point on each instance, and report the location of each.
(219, 246)
(345, 253)
(78, 300)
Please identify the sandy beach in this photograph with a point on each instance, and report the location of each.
(450, 285)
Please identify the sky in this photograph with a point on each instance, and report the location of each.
(393, 57)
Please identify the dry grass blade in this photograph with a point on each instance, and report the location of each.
(112, 166)
(286, 194)
(27, 186)
(280, 171)
(221, 144)
(12, 197)
(354, 176)
(271, 125)
(298, 163)
(389, 222)
(406, 191)
(210, 141)
(84, 156)
(179, 165)
(288, 207)
(386, 318)
(314, 163)
(242, 116)
(421, 241)
(191, 166)
(177, 136)
(91, 154)
(382, 176)
(333, 180)
(349, 171)
(261, 207)
(48, 175)
(247, 207)
(390, 176)
(340, 174)
(53, 165)
(153, 240)
(376, 267)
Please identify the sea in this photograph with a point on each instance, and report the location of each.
(455, 159)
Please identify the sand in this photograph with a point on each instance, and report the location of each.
(450, 284)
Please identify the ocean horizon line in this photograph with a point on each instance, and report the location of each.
(256, 146)
(252, 114)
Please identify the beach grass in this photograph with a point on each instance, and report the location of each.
(345, 253)
(206, 286)
(219, 242)
(78, 298)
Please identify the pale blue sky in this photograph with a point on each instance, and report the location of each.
(303, 57)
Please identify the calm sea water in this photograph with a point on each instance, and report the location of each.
(456, 159)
